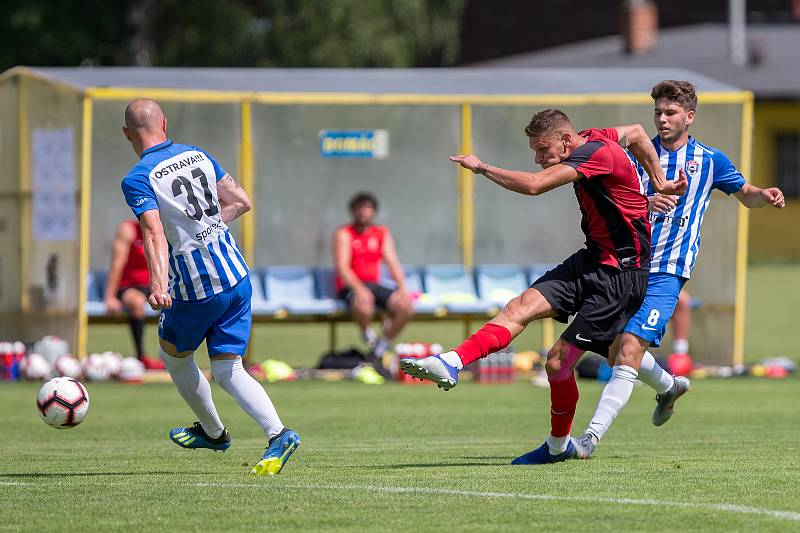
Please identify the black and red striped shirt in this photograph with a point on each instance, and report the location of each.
(613, 208)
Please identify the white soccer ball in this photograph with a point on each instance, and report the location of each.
(51, 348)
(113, 363)
(67, 366)
(95, 368)
(34, 367)
(63, 402)
(131, 370)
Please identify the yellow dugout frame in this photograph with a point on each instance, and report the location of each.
(247, 171)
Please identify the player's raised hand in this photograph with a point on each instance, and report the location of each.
(662, 203)
(468, 161)
(160, 300)
(774, 197)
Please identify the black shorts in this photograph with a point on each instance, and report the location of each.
(380, 293)
(140, 288)
(601, 297)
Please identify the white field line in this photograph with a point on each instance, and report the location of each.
(14, 484)
(724, 507)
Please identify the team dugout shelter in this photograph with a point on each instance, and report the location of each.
(303, 141)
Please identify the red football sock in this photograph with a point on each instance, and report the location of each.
(489, 339)
(563, 401)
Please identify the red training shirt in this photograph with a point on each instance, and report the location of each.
(366, 253)
(135, 272)
(613, 208)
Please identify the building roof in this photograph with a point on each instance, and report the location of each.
(449, 81)
(702, 48)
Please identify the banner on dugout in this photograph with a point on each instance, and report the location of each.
(369, 144)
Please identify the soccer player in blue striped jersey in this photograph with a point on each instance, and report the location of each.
(199, 280)
(675, 237)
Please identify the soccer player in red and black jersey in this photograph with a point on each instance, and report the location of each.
(603, 285)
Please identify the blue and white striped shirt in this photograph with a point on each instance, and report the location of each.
(180, 181)
(676, 235)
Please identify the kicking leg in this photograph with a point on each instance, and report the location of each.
(494, 336)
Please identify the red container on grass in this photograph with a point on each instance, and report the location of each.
(417, 350)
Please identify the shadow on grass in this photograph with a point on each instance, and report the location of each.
(90, 474)
(443, 465)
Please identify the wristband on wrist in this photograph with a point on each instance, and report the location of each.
(482, 168)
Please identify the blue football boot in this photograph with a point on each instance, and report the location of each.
(542, 456)
(280, 448)
(195, 437)
(432, 368)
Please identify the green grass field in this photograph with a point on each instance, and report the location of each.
(403, 457)
(400, 457)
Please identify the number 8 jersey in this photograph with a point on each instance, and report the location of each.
(180, 181)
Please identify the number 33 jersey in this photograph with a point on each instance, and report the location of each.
(180, 181)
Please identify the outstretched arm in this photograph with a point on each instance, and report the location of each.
(232, 199)
(635, 139)
(157, 255)
(119, 255)
(530, 183)
(754, 197)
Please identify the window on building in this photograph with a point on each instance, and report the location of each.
(788, 164)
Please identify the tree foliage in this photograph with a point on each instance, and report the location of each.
(364, 33)
(278, 33)
(68, 32)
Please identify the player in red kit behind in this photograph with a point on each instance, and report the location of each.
(358, 250)
(603, 285)
(128, 285)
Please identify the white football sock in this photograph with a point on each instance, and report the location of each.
(195, 391)
(249, 394)
(652, 374)
(452, 359)
(557, 445)
(680, 346)
(615, 395)
(369, 336)
(381, 345)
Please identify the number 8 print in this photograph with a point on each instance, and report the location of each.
(653, 318)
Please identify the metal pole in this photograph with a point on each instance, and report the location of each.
(467, 184)
(737, 31)
(86, 196)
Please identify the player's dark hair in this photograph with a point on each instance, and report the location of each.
(547, 121)
(363, 197)
(681, 92)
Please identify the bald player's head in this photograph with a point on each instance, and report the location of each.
(145, 124)
(143, 113)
